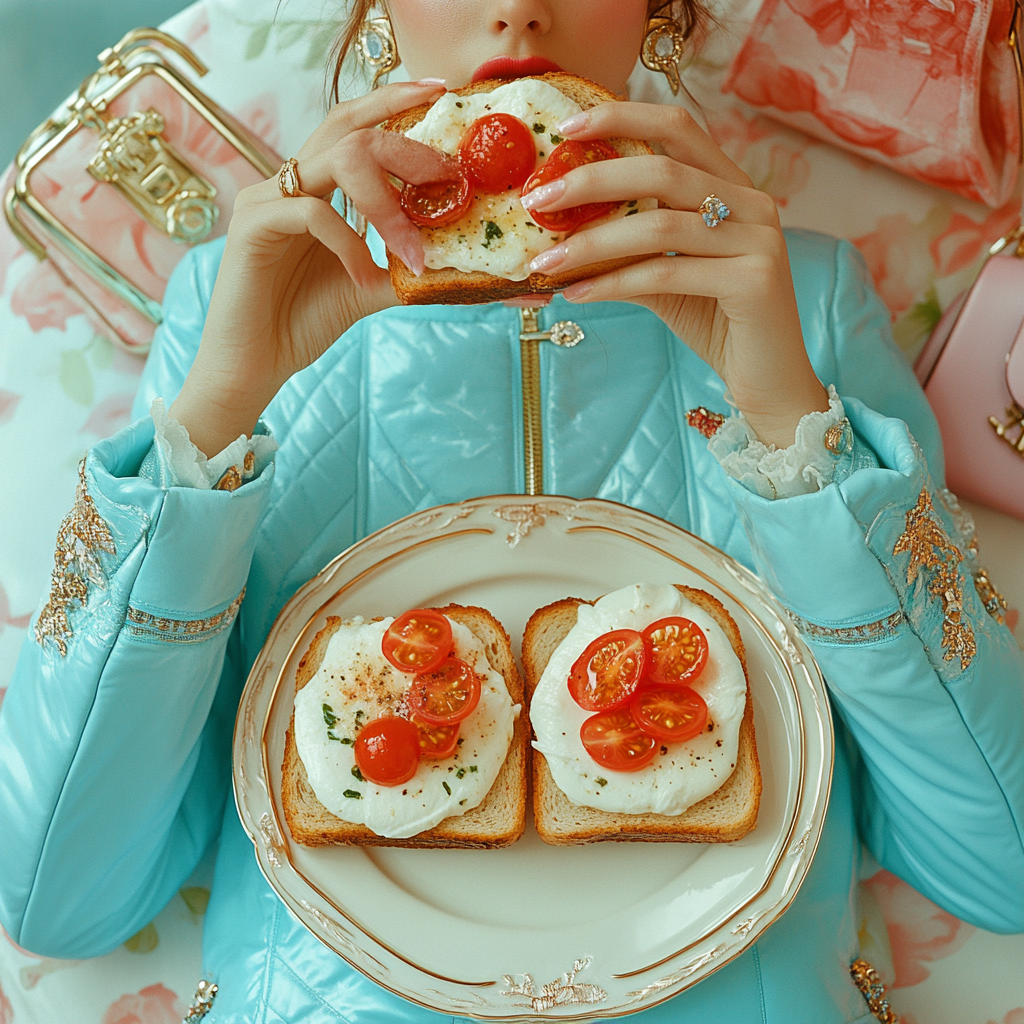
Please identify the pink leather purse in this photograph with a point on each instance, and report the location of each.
(972, 370)
(138, 166)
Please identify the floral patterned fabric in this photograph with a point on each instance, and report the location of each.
(62, 387)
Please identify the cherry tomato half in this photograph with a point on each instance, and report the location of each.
(417, 641)
(616, 742)
(437, 203)
(563, 158)
(437, 741)
(497, 152)
(388, 751)
(679, 651)
(608, 672)
(669, 713)
(445, 696)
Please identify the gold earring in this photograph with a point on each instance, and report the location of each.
(376, 47)
(663, 49)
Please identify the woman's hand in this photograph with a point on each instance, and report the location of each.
(295, 276)
(728, 293)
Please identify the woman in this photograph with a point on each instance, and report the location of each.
(116, 729)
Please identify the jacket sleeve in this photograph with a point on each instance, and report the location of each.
(881, 575)
(116, 728)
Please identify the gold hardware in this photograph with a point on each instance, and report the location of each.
(1014, 238)
(865, 977)
(1016, 417)
(124, 64)
(565, 334)
(376, 47)
(154, 177)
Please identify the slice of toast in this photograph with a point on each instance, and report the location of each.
(726, 815)
(498, 821)
(455, 287)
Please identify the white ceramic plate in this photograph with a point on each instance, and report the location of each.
(535, 931)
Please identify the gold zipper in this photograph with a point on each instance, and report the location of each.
(565, 334)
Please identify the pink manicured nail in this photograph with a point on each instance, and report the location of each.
(574, 124)
(541, 197)
(412, 257)
(549, 259)
(577, 290)
(430, 81)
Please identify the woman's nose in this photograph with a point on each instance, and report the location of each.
(521, 17)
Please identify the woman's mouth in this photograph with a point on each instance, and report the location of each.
(514, 67)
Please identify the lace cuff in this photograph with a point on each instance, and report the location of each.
(174, 461)
(824, 452)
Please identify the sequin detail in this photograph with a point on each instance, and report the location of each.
(865, 977)
(704, 421)
(144, 626)
(202, 1002)
(869, 632)
(930, 549)
(838, 438)
(82, 536)
(993, 602)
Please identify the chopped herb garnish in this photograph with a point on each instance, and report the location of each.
(601, 782)
(491, 232)
(329, 716)
(539, 128)
(629, 213)
(472, 767)
(555, 139)
(357, 773)
(346, 741)
(447, 788)
(631, 203)
(461, 773)
(353, 794)
(461, 802)
(359, 714)
(331, 736)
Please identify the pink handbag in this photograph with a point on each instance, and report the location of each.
(133, 170)
(931, 88)
(972, 370)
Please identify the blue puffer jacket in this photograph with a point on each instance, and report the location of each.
(116, 754)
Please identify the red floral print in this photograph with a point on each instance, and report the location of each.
(155, 1004)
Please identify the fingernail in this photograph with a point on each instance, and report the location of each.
(430, 81)
(577, 290)
(573, 124)
(549, 259)
(412, 257)
(540, 197)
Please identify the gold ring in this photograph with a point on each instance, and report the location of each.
(288, 179)
(713, 210)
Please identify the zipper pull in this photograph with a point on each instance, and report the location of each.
(565, 334)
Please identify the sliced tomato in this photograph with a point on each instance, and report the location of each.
(497, 153)
(563, 158)
(437, 741)
(388, 751)
(669, 713)
(608, 672)
(616, 742)
(417, 641)
(446, 695)
(436, 203)
(679, 651)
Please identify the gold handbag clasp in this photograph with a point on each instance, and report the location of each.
(154, 177)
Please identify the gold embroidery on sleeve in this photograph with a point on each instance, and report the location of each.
(81, 536)
(867, 632)
(865, 977)
(926, 541)
(993, 601)
(180, 631)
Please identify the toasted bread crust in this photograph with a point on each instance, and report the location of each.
(458, 287)
(563, 823)
(311, 824)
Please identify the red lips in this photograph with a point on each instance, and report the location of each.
(514, 67)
